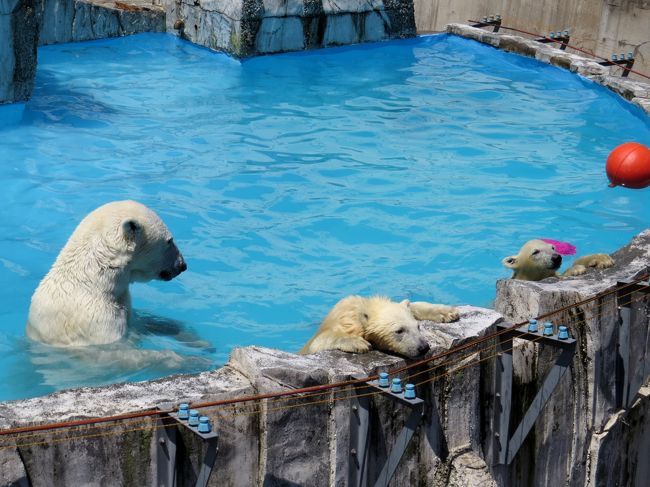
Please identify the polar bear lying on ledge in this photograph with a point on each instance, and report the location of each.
(357, 324)
(539, 259)
(84, 299)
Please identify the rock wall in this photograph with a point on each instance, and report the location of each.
(249, 27)
(600, 27)
(19, 20)
(80, 20)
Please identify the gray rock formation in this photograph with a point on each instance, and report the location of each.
(84, 20)
(249, 27)
(19, 20)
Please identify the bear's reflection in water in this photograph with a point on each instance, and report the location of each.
(153, 346)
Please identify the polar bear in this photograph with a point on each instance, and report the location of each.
(84, 299)
(357, 324)
(538, 260)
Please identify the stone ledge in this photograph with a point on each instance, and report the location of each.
(636, 91)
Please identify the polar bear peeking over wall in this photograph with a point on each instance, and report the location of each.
(538, 260)
(357, 324)
(84, 299)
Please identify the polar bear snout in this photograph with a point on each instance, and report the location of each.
(424, 348)
(556, 261)
(179, 266)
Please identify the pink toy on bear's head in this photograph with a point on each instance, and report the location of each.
(563, 248)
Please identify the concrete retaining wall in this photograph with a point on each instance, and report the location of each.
(598, 26)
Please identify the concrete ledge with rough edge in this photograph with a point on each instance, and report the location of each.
(635, 91)
(269, 443)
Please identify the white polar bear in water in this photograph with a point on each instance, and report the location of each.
(84, 299)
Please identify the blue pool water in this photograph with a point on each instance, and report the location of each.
(407, 168)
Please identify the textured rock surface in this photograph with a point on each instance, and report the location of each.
(636, 91)
(249, 27)
(584, 404)
(19, 23)
(83, 20)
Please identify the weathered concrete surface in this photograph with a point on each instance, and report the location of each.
(563, 448)
(12, 470)
(630, 429)
(272, 442)
(249, 27)
(84, 20)
(600, 27)
(637, 92)
(19, 23)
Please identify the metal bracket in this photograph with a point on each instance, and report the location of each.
(492, 21)
(166, 451)
(505, 446)
(633, 354)
(626, 64)
(563, 39)
(360, 434)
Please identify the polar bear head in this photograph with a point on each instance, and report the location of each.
(535, 261)
(391, 327)
(131, 239)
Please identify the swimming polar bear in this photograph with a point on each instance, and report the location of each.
(84, 299)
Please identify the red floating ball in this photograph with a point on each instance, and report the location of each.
(629, 165)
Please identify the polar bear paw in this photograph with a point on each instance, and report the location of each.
(576, 270)
(439, 313)
(600, 261)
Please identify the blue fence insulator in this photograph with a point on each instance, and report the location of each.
(564, 333)
(409, 393)
(194, 417)
(204, 424)
(532, 326)
(396, 386)
(548, 329)
(630, 55)
(383, 380)
(183, 411)
(614, 57)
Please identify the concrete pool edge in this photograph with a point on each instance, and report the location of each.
(271, 444)
(634, 91)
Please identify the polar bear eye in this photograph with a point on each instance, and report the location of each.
(535, 252)
(400, 331)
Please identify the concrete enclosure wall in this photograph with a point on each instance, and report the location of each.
(603, 27)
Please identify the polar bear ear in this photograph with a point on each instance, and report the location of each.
(406, 303)
(510, 262)
(131, 230)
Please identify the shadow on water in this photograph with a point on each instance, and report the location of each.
(53, 102)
